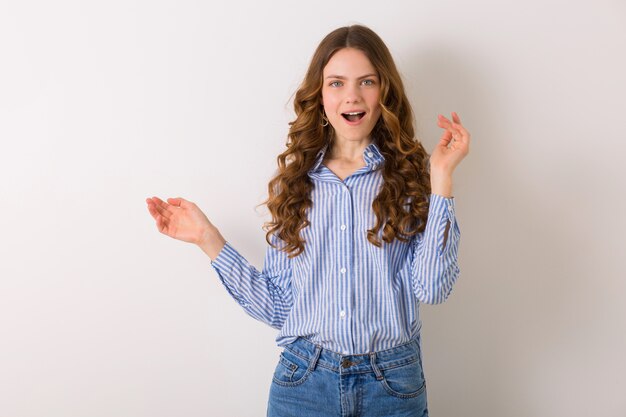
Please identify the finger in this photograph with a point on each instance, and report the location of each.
(178, 202)
(443, 120)
(449, 142)
(456, 121)
(153, 212)
(454, 132)
(162, 207)
(459, 132)
(152, 207)
(445, 139)
(457, 124)
(161, 224)
(447, 124)
(464, 134)
(444, 123)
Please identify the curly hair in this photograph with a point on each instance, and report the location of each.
(401, 207)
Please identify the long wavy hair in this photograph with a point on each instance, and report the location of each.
(401, 207)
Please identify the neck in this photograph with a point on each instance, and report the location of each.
(348, 150)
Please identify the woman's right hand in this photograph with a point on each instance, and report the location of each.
(181, 219)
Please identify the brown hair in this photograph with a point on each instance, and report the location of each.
(401, 207)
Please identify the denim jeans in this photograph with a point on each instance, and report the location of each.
(310, 381)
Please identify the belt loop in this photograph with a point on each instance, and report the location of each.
(315, 358)
(379, 375)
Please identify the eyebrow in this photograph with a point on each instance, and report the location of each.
(341, 77)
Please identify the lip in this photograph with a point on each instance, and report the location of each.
(356, 122)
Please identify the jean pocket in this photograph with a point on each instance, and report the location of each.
(291, 370)
(405, 381)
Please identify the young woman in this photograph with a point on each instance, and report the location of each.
(363, 230)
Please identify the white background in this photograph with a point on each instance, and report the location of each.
(103, 104)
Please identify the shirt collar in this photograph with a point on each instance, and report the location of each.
(372, 156)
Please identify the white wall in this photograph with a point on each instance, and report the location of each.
(103, 104)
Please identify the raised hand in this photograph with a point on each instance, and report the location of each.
(180, 219)
(452, 147)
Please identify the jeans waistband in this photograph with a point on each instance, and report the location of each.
(366, 362)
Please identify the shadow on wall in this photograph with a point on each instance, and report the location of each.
(509, 335)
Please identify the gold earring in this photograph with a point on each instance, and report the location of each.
(325, 120)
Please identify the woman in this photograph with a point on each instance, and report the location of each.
(363, 229)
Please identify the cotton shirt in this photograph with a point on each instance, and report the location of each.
(342, 292)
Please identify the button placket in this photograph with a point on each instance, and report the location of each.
(343, 261)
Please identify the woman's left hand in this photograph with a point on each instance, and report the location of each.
(452, 147)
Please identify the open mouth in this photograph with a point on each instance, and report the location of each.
(353, 116)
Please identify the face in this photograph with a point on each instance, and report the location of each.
(350, 94)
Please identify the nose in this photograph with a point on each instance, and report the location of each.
(353, 94)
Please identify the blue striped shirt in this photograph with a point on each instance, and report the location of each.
(342, 292)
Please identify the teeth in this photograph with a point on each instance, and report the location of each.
(354, 113)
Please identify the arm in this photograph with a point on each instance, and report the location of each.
(264, 295)
(434, 265)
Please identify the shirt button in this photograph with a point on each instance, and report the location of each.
(370, 154)
(343, 270)
(343, 227)
(342, 314)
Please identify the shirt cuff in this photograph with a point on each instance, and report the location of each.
(439, 203)
(441, 211)
(226, 257)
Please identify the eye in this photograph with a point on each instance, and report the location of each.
(335, 83)
(368, 82)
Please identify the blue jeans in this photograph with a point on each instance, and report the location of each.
(310, 381)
